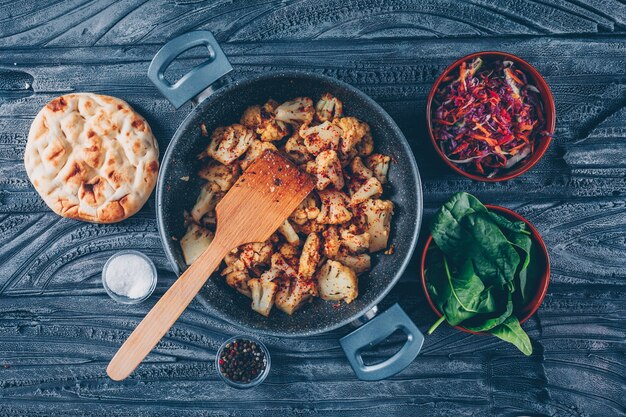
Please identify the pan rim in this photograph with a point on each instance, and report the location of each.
(183, 127)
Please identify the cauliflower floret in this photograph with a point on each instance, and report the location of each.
(270, 275)
(263, 294)
(311, 226)
(366, 146)
(327, 170)
(251, 117)
(359, 170)
(379, 164)
(287, 230)
(224, 176)
(280, 127)
(310, 256)
(210, 218)
(353, 185)
(307, 210)
(294, 290)
(371, 188)
(358, 224)
(233, 263)
(355, 243)
(328, 108)
(289, 251)
(206, 200)
(296, 112)
(280, 268)
(378, 213)
(294, 293)
(337, 282)
(309, 167)
(229, 143)
(255, 254)
(296, 150)
(346, 159)
(239, 280)
(331, 241)
(195, 242)
(358, 263)
(256, 149)
(334, 207)
(279, 263)
(262, 120)
(321, 137)
(353, 130)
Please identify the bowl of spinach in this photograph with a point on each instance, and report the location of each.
(485, 269)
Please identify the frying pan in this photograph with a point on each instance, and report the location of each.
(223, 105)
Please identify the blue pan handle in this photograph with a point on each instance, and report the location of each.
(375, 331)
(196, 80)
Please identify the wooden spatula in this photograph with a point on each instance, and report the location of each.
(259, 202)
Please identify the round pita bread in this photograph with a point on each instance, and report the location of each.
(92, 157)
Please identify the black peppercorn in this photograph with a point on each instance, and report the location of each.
(242, 361)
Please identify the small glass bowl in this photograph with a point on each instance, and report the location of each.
(120, 298)
(256, 381)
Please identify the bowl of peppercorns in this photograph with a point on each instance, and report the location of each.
(243, 362)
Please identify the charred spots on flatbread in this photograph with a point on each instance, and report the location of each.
(85, 152)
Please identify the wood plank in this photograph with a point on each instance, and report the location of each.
(86, 23)
(397, 76)
(58, 328)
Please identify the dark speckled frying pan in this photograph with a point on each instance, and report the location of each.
(223, 106)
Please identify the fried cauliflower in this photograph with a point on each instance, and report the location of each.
(262, 294)
(298, 111)
(255, 150)
(262, 119)
(205, 201)
(337, 281)
(195, 242)
(296, 149)
(229, 143)
(379, 164)
(327, 241)
(328, 108)
(327, 170)
(321, 137)
(378, 213)
(224, 176)
(372, 188)
(334, 207)
(359, 170)
(352, 132)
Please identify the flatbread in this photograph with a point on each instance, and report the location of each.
(92, 157)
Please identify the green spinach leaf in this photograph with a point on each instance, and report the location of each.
(504, 223)
(479, 267)
(494, 257)
(459, 295)
(464, 229)
(524, 244)
(484, 322)
(446, 228)
(511, 331)
(520, 237)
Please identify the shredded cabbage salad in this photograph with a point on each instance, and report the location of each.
(487, 118)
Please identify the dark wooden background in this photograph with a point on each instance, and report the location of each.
(58, 328)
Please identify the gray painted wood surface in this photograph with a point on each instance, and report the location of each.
(58, 328)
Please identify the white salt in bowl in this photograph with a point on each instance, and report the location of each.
(121, 268)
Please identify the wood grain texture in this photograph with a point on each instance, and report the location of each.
(271, 185)
(58, 328)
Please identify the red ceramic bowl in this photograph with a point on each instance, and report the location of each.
(543, 264)
(548, 107)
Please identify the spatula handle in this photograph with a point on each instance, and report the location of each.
(165, 313)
